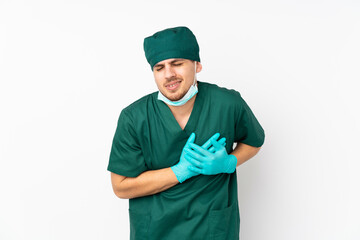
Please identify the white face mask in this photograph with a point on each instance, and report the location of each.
(192, 91)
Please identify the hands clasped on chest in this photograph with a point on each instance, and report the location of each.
(209, 159)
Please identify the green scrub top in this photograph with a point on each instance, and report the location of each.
(148, 137)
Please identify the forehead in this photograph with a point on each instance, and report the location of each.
(170, 60)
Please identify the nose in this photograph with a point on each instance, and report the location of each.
(169, 72)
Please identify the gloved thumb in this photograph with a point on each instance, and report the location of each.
(191, 139)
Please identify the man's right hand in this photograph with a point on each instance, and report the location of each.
(181, 170)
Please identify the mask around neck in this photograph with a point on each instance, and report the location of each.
(192, 91)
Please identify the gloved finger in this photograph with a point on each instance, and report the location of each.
(194, 154)
(195, 170)
(200, 150)
(212, 150)
(193, 161)
(216, 145)
(222, 141)
(191, 139)
(207, 144)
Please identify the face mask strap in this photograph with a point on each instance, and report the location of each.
(195, 77)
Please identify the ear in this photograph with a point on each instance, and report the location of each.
(198, 67)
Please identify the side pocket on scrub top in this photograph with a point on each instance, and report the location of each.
(139, 225)
(223, 223)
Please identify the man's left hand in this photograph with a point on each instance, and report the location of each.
(210, 162)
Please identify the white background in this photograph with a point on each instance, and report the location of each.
(67, 68)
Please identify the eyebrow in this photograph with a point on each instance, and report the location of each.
(173, 61)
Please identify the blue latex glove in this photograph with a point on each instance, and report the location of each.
(181, 169)
(209, 146)
(210, 163)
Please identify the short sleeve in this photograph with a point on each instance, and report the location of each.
(126, 157)
(247, 128)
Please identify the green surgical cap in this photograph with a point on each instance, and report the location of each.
(178, 42)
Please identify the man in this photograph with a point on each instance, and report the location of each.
(172, 153)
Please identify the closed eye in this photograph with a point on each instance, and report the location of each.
(158, 69)
(177, 64)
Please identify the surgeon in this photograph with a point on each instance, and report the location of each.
(172, 154)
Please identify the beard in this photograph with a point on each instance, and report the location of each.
(177, 96)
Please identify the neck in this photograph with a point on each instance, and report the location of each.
(183, 110)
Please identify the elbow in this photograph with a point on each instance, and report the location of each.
(256, 150)
(121, 192)
(120, 186)
(124, 191)
(121, 195)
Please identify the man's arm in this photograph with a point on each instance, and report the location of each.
(147, 183)
(244, 152)
(155, 181)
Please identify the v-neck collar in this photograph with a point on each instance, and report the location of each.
(194, 115)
